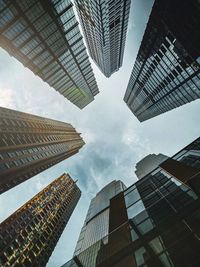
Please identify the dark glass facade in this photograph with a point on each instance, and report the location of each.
(104, 24)
(29, 236)
(30, 144)
(44, 36)
(185, 165)
(166, 73)
(153, 223)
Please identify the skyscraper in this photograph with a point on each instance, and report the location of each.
(153, 223)
(30, 144)
(96, 224)
(148, 163)
(44, 36)
(29, 236)
(166, 73)
(104, 24)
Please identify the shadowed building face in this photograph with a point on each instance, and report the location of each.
(166, 73)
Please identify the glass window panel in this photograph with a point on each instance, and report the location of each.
(7, 15)
(61, 5)
(156, 245)
(166, 260)
(23, 37)
(134, 236)
(192, 194)
(141, 256)
(132, 197)
(145, 226)
(135, 209)
(35, 12)
(184, 187)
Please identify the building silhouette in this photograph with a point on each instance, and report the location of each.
(30, 144)
(29, 236)
(44, 36)
(154, 222)
(104, 24)
(166, 73)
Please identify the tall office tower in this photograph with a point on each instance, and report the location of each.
(104, 24)
(29, 236)
(44, 36)
(153, 223)
(30, 144)
(166, 73)
(148, 163)
(96, 224)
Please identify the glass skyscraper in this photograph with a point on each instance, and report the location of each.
(148, 164)
(153, 223)
(44, 36)
(166, 73)
(29, 236)
(30, 144)
(104, 24)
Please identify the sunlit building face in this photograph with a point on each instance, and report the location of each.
(29, 236)
(30, 144)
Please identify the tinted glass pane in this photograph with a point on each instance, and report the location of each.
(156, 245)
(132, 197)
(145, 226)
(134, 236)
(166, 260)
(140, 256)
(135, 209)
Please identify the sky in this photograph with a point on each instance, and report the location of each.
(115, 139)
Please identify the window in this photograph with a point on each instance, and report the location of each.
(132, 197)
(135, 209)
(141, 256)
(166, 260)
(145, 226)
(7, 15)
(156, 245)
(134, 235)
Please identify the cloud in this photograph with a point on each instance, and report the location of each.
(6, 98)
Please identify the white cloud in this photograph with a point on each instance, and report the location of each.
(6, 98)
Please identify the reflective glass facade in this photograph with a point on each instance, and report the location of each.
(104, 24)
(166, 73)
(155, 222)
(30, 144)
(148, 164)
(185, 165)
(29, 236)
(44, 36)
(96, 223)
